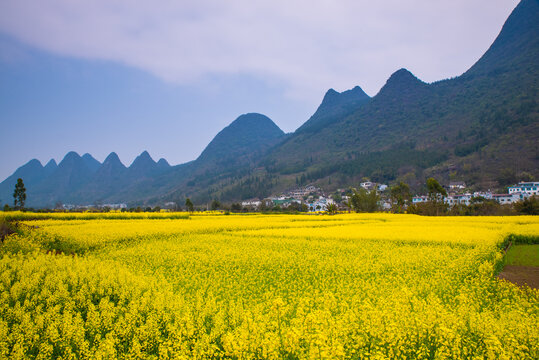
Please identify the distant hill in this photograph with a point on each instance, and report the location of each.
(334, 106)
(234, 152)
(83, 180)
(91, 163)
(32, 172)
(481, 127)
(241, 143)
(477, 126)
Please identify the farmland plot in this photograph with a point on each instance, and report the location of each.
(266, 286)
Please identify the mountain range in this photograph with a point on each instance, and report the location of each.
(481, 127)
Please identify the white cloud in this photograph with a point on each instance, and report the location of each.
(307, 45)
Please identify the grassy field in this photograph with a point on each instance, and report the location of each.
(527, 255)
(265, 287)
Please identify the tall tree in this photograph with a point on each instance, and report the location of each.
(215, 205)
(400, 195)
(19, 195)
(364, 201)
(436, 194)
(189, 205)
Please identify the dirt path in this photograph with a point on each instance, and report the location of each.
(521, 275)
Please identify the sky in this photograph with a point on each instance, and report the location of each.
(166, 76)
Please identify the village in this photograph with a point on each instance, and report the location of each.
(314, 199)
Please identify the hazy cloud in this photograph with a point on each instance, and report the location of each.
(306, 45)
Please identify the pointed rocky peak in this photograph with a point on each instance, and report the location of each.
(112, 160)
(30, 168)
(146, 155)
(111, 167)
(91, 162)
(33, 164)
(333, 97)
(403, 77)
(50, 167)
(51, 164)
(143, 164)
(144, 159)
(400, 82)
(162, 163)
(31, 172)
(356, 92)
(334, 107)
(330, 96)
(112, 163)
(71, 158)
(255, 124)
(516, 45)
(245, 136)
(70, 173)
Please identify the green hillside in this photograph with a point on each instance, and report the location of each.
(476, 126)
(481, 127)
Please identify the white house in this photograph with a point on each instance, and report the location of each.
(484, 194)
(301, 192)
(321, 204)
(458, 199)
(530, 188)
(255, 203)
(457, 185)
(505, 199)
(115, 206)
(367, 185)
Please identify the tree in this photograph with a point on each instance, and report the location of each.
(400, 195)
(189, 205)
(331, 208)
(215, 205)
(529, 206)
(235, 208)
(436, 194)
(364, 201)
(337, 196)
(19, 194)
(434, 189)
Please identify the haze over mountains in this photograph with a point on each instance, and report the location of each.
(481, 127)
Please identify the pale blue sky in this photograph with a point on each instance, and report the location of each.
(117, 75)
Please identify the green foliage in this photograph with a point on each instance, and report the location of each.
(331, 209)
(522, 239)
(215, 205)
(189, 205)
(337, 197)
(527, 255)
(364, 201)
(400, 196)
(236, 208)
(435, 190)
(529, 206)
(429, 208)
(19, 195)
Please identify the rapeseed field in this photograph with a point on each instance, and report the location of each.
(349, 286)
